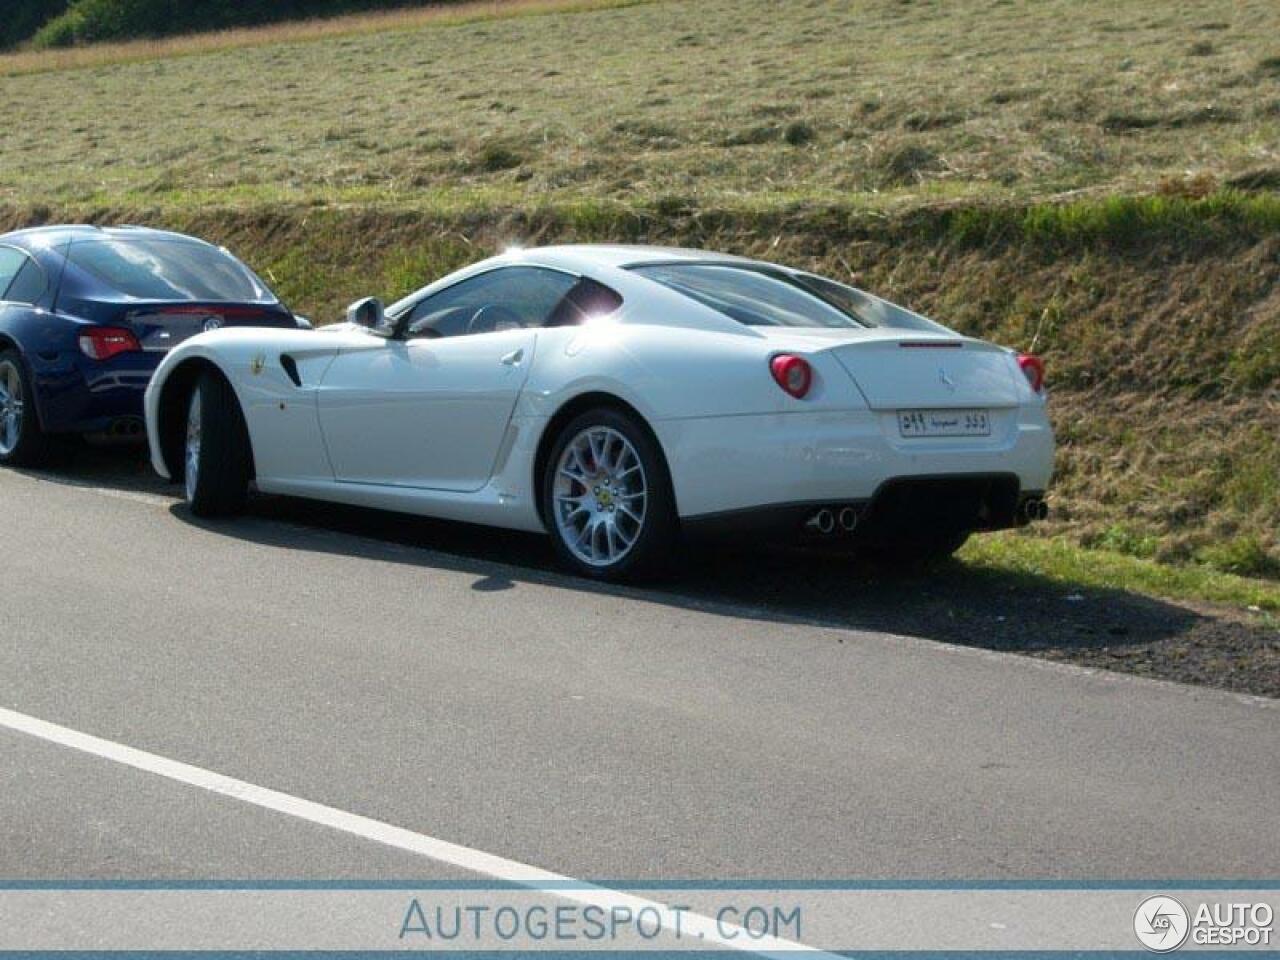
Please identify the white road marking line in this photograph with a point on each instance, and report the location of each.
(137, 496)
(706, 930)
(118, 493)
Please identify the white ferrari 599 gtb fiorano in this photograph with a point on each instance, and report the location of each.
(616, 397)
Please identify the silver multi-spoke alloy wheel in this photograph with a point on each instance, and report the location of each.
(192, 457)
(10, 408)
(600, 497)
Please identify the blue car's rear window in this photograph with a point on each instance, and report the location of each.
(168, 269)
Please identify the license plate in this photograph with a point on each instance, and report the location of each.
(944, 423)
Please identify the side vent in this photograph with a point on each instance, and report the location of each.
(291, 369)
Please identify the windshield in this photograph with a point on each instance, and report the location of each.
(750, 295)
(169, 269)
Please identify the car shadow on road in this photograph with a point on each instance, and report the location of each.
(955, 603)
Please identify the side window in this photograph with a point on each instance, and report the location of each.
(29, 285)
(11, 262)
(502, 299)
(587, 299)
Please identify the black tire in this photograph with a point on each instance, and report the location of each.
(652, 551)
(31, 445)
(224, 460)
(914, 553)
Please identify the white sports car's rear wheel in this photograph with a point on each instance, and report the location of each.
(600, 496)
(607, 498)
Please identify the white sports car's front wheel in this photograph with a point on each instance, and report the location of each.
(607, 497)
(217, 462)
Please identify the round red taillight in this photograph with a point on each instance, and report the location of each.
(793, 374)
(1033, 369)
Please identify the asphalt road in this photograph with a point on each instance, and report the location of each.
(448, 681)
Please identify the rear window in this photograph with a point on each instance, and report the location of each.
(753, 296)
(870, 309)
(163, 269)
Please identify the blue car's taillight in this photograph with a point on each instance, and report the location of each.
(103, 343)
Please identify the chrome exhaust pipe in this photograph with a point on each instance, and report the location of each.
(824, 521)
(848, 518)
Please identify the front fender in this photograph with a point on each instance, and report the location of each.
(280, 414)
(185, 363)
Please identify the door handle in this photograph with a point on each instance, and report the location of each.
(513, 358)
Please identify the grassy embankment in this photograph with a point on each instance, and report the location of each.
(1099, 183)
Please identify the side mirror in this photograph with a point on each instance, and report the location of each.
(368, 313)
(304, 323)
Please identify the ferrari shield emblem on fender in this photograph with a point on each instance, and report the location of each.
(256, 366)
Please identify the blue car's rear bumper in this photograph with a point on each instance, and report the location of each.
(77, 395)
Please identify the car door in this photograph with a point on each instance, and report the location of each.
(430, 410)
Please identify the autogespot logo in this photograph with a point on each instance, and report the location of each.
(1161, 924)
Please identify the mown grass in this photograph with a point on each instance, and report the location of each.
(720, 103)
(34, 61)
(1064, 562)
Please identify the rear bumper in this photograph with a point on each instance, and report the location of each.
(782, 463)
(78, 395)
(902, 509)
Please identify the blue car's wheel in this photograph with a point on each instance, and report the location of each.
(22, 442)
(217, 462)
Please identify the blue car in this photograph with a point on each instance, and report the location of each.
(86, 314)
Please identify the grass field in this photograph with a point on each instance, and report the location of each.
(1099, 182)
(51, 59)
(720, 102)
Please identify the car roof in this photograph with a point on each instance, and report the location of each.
(55, 234)
(587, 255)
(604, 262)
